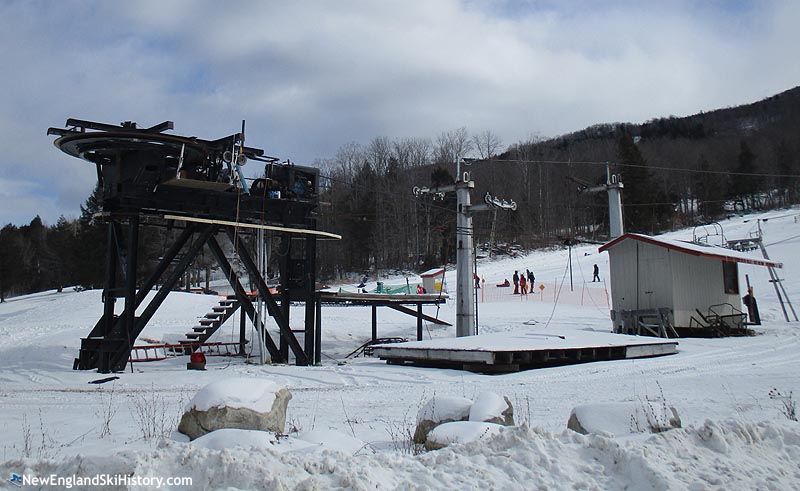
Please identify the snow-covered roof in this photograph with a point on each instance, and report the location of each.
(432, 272)
(695, 249)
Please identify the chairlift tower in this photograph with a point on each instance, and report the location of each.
(465, 307)
(613, 187)
(776, 281)
(757, 241)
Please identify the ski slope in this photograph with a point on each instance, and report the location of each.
(734, 436)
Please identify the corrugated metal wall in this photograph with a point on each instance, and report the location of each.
(698, 285)
(640, 276)
(655, 279)
(646, 276)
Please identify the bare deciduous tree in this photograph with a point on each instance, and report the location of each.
(348, 159)
(451, 146)
(486, 144)
(378, 153)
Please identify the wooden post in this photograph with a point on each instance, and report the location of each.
(419, 322)
(374, 322)
(318, 333)
(242, 331)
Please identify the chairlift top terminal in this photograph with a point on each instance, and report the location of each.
(144, 170)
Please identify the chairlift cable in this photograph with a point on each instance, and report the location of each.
(641, 166)
(783, 240)
(583, 278)
(558, 295)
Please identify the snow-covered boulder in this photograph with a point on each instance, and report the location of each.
(243, 403)
(623, 418)
(493, 408)
(460, 432)
(438, 410)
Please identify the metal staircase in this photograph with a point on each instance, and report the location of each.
(212, 321)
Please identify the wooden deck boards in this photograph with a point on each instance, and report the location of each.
(511, 352)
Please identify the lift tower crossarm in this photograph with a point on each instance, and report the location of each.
(465, 303)
(613, 186)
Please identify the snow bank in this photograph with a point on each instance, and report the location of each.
(231, 438)
(729, 455)
(623, 418)
(304, 442)
(334, 440)
(460, 432)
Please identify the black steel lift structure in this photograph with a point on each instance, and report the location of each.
(148, 177)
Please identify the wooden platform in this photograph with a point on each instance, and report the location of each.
(512, 352)
(382, 298)
(394, 302)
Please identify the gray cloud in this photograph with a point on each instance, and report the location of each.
(310, 76)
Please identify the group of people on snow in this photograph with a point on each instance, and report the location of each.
(522, 282)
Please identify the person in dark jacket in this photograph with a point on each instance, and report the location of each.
(516, 282)
(531, 279)
(596, 276)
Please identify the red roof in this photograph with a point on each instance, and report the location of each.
(432, 272)
(695, 249)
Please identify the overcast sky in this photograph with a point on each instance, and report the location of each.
(310, 76)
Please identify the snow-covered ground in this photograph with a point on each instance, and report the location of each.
(734, 436)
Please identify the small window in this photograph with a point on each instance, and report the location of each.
(730, 277)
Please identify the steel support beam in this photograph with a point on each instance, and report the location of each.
(148, 285)
(107, 322)
(310, 254)
(130, 279)
(277, 312)
(241, 296)
(121, 358)
(284, 268)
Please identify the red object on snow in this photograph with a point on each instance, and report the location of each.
(197, 357)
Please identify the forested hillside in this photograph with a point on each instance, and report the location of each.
(676, 172)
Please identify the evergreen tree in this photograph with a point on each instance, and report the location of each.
(10, 251)
(639, 190)
(61, 247)
(35, 275)
(744, 185)
(443, 219)
(91, 249)
(788, 164)
(359, 217)
(708, 191)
